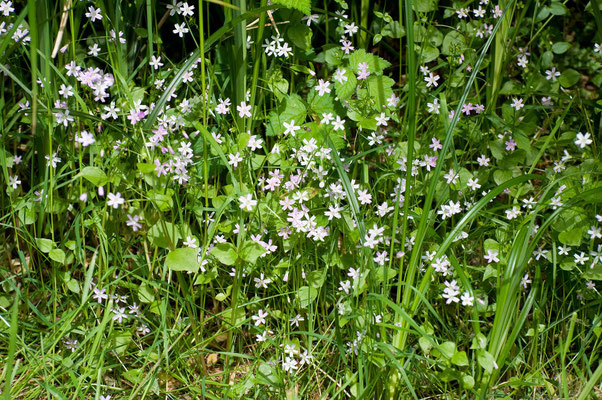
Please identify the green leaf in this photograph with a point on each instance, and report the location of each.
(560, 47)
(380, 89)
(73, 285)
(317, 278)
(376, 65)
(145, 293)
(345, 90)
(45, 245)
(569, 77)
(225, 253)
(183, 259)
(572, 237)
(460, 359)
(467, 382)
(57, 255)
(164, 234)
(593, 273)
(94, 175)
(453, 43)
(428, 53)
(425, 5)
(485, 360)
(447, 350)
(306, 295)
(277, 84)
(292, 108)
(300, 35)
(163, 201)
(251, 251)
(302, 5)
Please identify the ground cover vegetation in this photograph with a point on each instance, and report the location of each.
(296, 200)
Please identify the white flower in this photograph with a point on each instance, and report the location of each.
(340, 76)
(583, 140)
(491, 256)
(6, 8)
(338, 124)
(119, 314)
(180, 29)
(156, 62)
(289, 365)
(382, 119)
(260, 317)
(323, 87)
(291, 128)
(431, 80)
(517, 104)
(247, 203)
(244, 110)
(115, 200)
(93, 14)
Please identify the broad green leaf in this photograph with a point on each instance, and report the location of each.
(486, 360)
(376, 65)
(251, 251)
(183, 259)
(317, 278)
(163, 201)
(94, 175)
(146, 293)
(345, 89)
(45, 245)
(468, 382)
(225, 253)
(380, 89)
(292, 108)
(425, 5)
(57, 255)
(453, 43)
(560, 47)
(593, 273)
(569, 77)
(460, 359)
(164, 234)
(302, 5)
(306, 295)
(572, 237)
(300, 35)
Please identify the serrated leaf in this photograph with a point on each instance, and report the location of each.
(376, 65)
(345, 89)
(225, 253)
(183, 259)
(94, 175)
(292, 108)
(302, 5)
